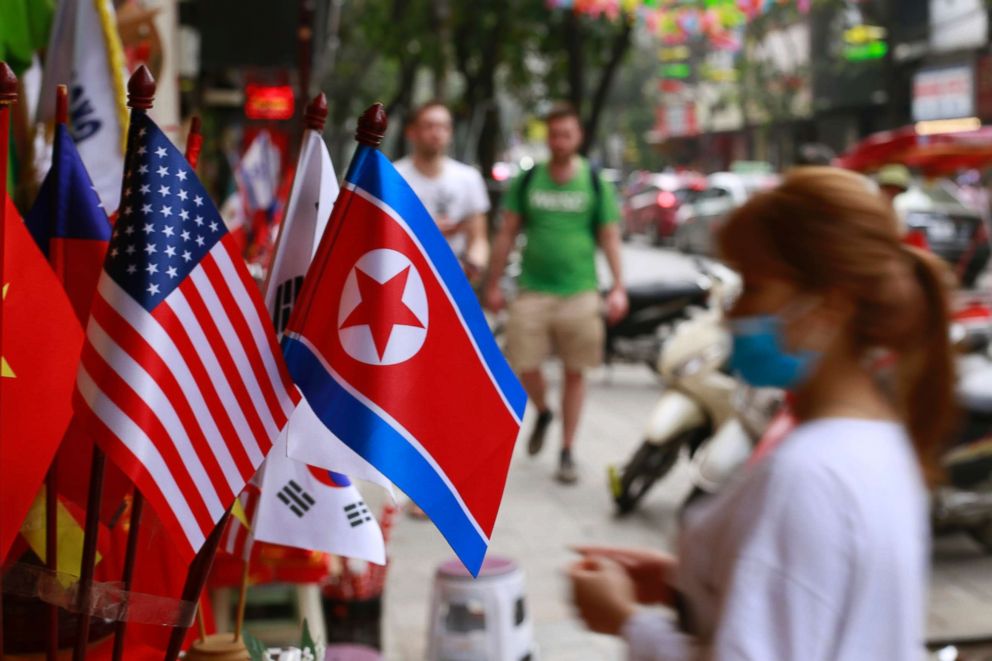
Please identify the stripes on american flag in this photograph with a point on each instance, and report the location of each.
(181, 380)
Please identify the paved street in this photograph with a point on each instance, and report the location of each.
(539, 519)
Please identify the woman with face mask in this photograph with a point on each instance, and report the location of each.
(820, 551)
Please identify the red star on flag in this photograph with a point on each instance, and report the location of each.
(382, 308)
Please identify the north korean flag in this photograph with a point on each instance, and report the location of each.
(390, 347)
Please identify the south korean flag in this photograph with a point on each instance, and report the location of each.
(315, 509)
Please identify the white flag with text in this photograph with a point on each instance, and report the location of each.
(84, 52)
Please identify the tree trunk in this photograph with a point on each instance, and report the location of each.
(442, 24)
(576, 60)
(621, 44)
(399, 105)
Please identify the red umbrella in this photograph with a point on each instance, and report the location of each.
(934, 154)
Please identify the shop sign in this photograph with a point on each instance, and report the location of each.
(944, 93)
(958, 25)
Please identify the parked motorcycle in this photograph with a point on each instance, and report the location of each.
(703, 410)
(639, 336)
(964, 502)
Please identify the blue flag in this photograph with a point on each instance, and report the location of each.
(69, 225)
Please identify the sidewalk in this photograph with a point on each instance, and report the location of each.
(540, 519)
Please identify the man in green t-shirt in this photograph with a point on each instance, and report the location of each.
(565, 210)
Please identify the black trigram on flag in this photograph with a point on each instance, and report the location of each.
(296, 499)
(286, 294)
(357, 513)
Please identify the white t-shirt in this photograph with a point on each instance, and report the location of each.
(454, 196)
(820, 553)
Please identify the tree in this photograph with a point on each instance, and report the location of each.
(476, 51)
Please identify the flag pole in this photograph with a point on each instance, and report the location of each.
(140, 92)
(196, 578)
(137, 505)
(193, 143)
(58, 261)
(8, 95)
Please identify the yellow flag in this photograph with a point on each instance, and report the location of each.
(70, 538)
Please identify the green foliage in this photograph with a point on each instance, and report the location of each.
(467, 52)
(256, 648)
(307, 643)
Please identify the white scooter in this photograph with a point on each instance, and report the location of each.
(703, 410)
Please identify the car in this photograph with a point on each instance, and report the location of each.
(698, 220)
(651, 202)
(954, 232)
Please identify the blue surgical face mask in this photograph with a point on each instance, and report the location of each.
(759, 356)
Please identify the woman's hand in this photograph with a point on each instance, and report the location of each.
(651, 571)
(603, 594)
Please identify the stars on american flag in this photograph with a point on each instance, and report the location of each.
(163, 230)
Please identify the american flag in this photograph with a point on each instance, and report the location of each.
(181, 380)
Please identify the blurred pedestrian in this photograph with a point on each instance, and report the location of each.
(893, 180)
(565, 209)
(814, 153)
(454, 193)
(820, 551)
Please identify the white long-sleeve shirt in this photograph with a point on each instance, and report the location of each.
(820, 552)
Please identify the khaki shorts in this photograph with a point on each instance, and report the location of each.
(571, 325)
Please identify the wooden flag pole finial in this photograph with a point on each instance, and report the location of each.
(141, 89)
(8, 84)
(316, 113)
(372, 126)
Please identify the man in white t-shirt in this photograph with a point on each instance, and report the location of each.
(454, 193)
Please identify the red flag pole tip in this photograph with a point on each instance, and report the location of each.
(141, 89)
(61, 104)
(8, 84)
(195, 125)
(372, 126)
(316, 113)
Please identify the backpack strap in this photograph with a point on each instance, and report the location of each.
(597, 198)
(526, 178)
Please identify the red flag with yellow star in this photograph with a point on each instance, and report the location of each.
(40, 344)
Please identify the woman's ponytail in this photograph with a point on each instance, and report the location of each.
(926, 366)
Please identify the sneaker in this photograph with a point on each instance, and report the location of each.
(567, 474)
(536, 441)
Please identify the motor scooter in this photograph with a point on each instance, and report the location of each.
(703, 410)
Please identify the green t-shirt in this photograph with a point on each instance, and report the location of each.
(561, 223)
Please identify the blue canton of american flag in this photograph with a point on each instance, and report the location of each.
(167, 223)
(181, 380)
